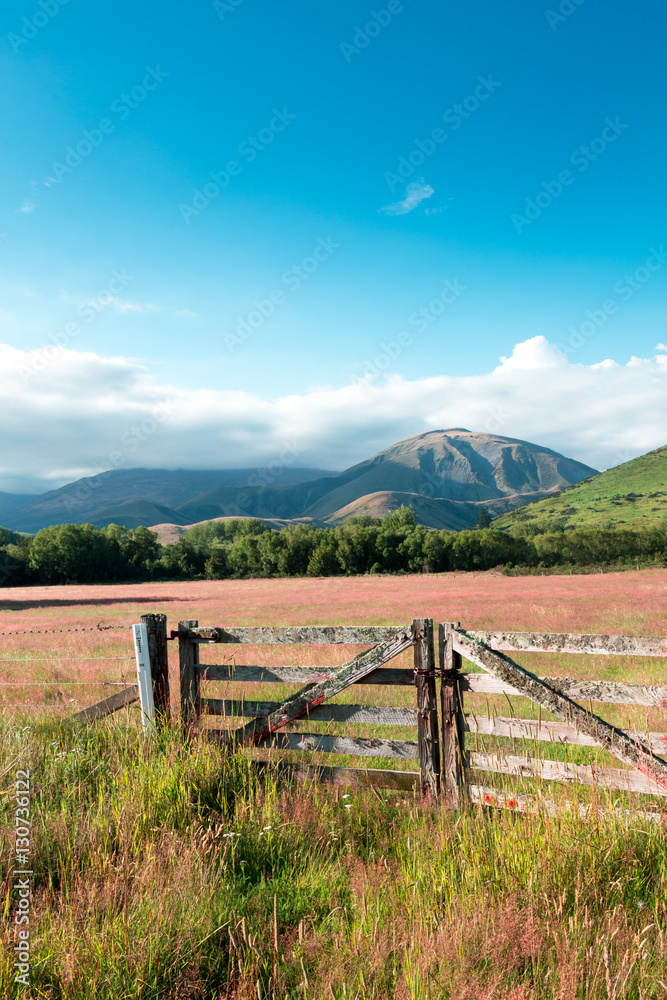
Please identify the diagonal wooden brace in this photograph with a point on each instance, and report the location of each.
(626, 748)
(314, 694)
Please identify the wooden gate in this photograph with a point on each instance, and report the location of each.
(444, 761)
(321, 683)
(560, 696)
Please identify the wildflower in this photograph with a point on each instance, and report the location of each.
(267, 828)
(348, 805)
(346, 796)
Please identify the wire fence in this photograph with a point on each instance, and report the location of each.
(70, 703)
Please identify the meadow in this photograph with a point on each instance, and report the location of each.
(160, 865)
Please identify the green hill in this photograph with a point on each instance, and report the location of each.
(632, 495)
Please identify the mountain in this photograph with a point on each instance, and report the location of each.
(88, 500)
(445, 467)
(448, 476)
(453, 515)
(632, 495)
(8, 501)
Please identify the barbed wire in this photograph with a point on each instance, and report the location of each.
(42, 708)
(51, 631)
(61, 659)
(16, 684)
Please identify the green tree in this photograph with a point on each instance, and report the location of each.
(483, 520)
(75, 553)
(324, 558)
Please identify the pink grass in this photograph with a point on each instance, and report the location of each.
(630, 602)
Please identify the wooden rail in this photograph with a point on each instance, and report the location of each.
(444, 761)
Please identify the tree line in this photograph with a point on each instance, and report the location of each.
(72, 553)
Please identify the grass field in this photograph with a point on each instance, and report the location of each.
(631, 495)
(140, 889)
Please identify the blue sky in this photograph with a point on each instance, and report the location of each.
(306, 112)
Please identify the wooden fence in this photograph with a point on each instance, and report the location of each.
(438, 713)
(445, 763)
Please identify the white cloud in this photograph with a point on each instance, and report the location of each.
(533, 354)
(415, 194)
(27, 207)
(187, 313)
(82, 413)
(661, 347)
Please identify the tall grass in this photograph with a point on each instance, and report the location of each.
(141, 891)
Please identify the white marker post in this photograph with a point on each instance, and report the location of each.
(144, 678)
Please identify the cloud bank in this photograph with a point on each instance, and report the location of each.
(74, 414)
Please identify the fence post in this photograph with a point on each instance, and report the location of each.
(453, 720)
(156, 626)
(188, 656)
(144, 681)
(427, 707)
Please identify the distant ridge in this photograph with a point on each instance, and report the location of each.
(448, 476)
(631, 495)
(104, 498)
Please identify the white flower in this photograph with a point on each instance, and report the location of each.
(267, 828)
(348, 805)
(346, 796)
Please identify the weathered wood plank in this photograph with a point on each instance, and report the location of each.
(297, 675)
(311, 634)
(319, 742)
(190, 676)
(556, 770)
(312, 695)
(107, 706)
(427, 707)
(556, 642)
(615, 741)
(497, 798)
(359, 777)
(611, 692)
(156, 627)
(351, 714)
(453, 728)
(551, 732)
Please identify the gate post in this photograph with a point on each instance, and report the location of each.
(453, 720)
(156, 627)
(188, 657)
(427, 707)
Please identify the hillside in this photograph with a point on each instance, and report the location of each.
(8, 501)
(448, 474)
(103, 498)
(451, 472)
(632, 495)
